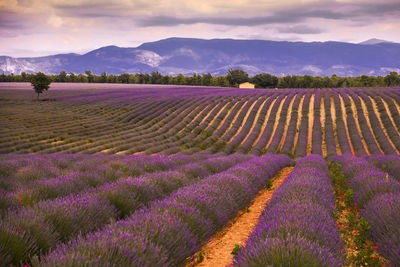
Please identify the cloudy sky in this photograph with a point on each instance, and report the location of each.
(43, 27)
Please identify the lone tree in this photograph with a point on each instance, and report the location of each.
(40, 83)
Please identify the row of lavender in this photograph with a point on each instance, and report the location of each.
(190, 120)
(29, 230)
(389, 164)
(371, 139)
(123, 107)
(297, 228)
(170, 230)
(378, 197)
(28, 179)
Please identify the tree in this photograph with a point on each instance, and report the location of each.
(40, 83)
(206, 79)
(89, 76)
(72, 77)
(392, 79)
(24, 76)
(62, 77)
(82, 78)
(156, 77)
(124, 78)
(237, 76)
(103, 77)
(265, 80)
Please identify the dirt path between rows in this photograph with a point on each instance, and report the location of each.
(322, 119)
(217, 252)
(333, 115)
(299, 115)
(310, 124)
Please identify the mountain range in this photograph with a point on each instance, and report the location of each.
(187, 56)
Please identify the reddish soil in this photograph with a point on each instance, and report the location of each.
(322, 119)
(310, 124)
(217, 252)
(333, 114)
(299, 115)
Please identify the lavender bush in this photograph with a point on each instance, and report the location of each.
(302, 140)
(388, 163)
(297, 226)
(50, 222)
(292, 128)
(175, 227)
(376, 127)
(362, 121)
(329, 132)
(378, 195)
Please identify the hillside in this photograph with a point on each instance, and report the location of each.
(177, 119)
(184, 55)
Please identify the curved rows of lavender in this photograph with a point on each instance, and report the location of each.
(40, 212)
(168, 231)
(184, 120)
(145, 176)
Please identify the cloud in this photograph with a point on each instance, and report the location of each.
(293, 14)
(300, 29)
(71, 25)
(10, 20)
(252, 21)
(96, 10)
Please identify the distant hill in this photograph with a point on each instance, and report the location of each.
(186, 55)
(374, 41)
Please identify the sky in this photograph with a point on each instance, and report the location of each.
(45, 27)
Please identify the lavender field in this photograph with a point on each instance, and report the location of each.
(185, 120)
(147, 176)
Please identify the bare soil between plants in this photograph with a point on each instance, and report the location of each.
(217, 252)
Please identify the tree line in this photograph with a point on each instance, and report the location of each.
(231, 79)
